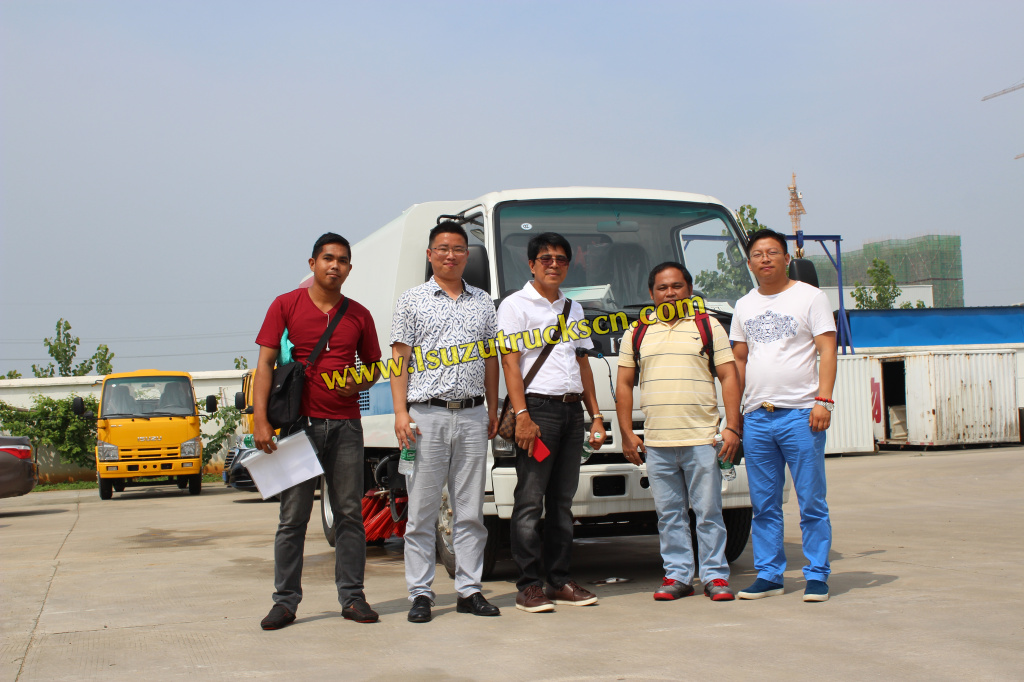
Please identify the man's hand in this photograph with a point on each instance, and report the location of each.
(263, 434)
(349, 388)
(598, 433)
(730, 446)
(820, 418)
(527, 433)
(403, 430)
(632, 446)
(492, 424)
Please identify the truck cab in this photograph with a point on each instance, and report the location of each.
(617, 236)
(147, 431)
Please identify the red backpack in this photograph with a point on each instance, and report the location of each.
(707, 338)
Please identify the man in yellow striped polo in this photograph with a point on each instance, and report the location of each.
(680, 406)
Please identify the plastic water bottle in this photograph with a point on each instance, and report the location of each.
(249, 440)
(728, 468)
(587, 451)
(407, 458)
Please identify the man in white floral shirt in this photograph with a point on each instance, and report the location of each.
(443, 332)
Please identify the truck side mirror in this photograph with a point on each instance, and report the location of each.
(478, 268)
(211, 404)
(802, 270)
(78, 406)
(239, 401)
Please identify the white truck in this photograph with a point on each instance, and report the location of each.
(617, 237)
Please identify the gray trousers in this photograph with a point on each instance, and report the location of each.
(452, 449)
(340, 449)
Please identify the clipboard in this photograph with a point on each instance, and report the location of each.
(293, 462)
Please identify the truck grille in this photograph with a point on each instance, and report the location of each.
(148, 452)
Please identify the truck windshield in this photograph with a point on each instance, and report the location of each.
(615, 244)
(148, 397)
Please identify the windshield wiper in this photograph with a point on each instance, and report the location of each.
(169, 414)
(124, 415)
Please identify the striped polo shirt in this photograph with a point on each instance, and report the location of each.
(677, 392)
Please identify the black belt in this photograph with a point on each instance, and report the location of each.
(567, 398)
(456, 404)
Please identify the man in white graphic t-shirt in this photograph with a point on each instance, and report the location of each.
(780, 330)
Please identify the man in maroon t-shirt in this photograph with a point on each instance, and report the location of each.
(330, 416)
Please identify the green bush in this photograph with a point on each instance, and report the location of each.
(51, 422)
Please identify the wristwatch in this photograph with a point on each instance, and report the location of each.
(827, 404)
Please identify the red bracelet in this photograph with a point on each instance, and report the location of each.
(826, 400)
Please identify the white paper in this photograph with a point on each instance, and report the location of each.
(293, 462)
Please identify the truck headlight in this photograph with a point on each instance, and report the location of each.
(190, 448)
(106, 452)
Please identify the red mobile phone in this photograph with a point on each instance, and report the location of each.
(540, 451)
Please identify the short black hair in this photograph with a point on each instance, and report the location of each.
(549, 239)
(765, 233)
(330, 238)
(447, 227)
(668, 265)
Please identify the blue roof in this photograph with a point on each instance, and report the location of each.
(937, 326)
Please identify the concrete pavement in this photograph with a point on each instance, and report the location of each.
(927, 583)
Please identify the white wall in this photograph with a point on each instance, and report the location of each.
(911, 293)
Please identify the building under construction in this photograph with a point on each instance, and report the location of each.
(931, 260)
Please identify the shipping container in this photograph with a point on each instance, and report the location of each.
(945, 398)
(851, 429)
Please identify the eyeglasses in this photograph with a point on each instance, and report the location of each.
(444, 250)
(758, 255)
(546, 259)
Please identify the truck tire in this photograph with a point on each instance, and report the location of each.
(182, 482)
(326, 514)
(195, 484)
(444, 540)
(118, 485)
(106, 488)
(737, 528)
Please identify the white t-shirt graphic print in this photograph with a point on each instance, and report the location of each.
(779, 331)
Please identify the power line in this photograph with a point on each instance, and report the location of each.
(136, 357)
(138, 338)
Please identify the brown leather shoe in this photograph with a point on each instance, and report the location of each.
(532, 600)
(571, 594)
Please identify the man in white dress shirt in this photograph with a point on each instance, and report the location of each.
(548, 411)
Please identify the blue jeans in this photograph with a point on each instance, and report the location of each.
(682, 477)
(547, 487)
(772, 441)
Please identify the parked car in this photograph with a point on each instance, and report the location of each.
(18, 471)
(236, 475)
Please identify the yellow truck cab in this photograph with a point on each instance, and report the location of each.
(148, 428)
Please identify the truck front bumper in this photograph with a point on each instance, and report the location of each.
(152, 467)
(611, 489)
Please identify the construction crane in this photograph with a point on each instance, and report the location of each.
(1018, 86)
(796, 209)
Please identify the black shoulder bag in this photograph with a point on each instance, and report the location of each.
(284, 405)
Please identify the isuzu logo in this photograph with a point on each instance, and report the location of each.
(143, 439)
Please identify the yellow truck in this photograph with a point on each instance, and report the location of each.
(147, 431)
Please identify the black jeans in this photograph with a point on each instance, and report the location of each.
(547, 486)
(340, 449)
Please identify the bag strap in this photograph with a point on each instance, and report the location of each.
(327, 334)
(547, 349)
(707, 338)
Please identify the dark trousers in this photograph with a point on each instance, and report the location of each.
(340, 449)
(547, 486)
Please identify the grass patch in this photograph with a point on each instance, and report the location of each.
(91, 485)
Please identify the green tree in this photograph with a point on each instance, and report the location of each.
(882, 293)
(63, 348)
(241, 362)
(13, 374)
(228, 417)
(747, 215)
(731, 279)
(50, 422)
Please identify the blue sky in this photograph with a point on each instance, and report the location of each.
(165, 166)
